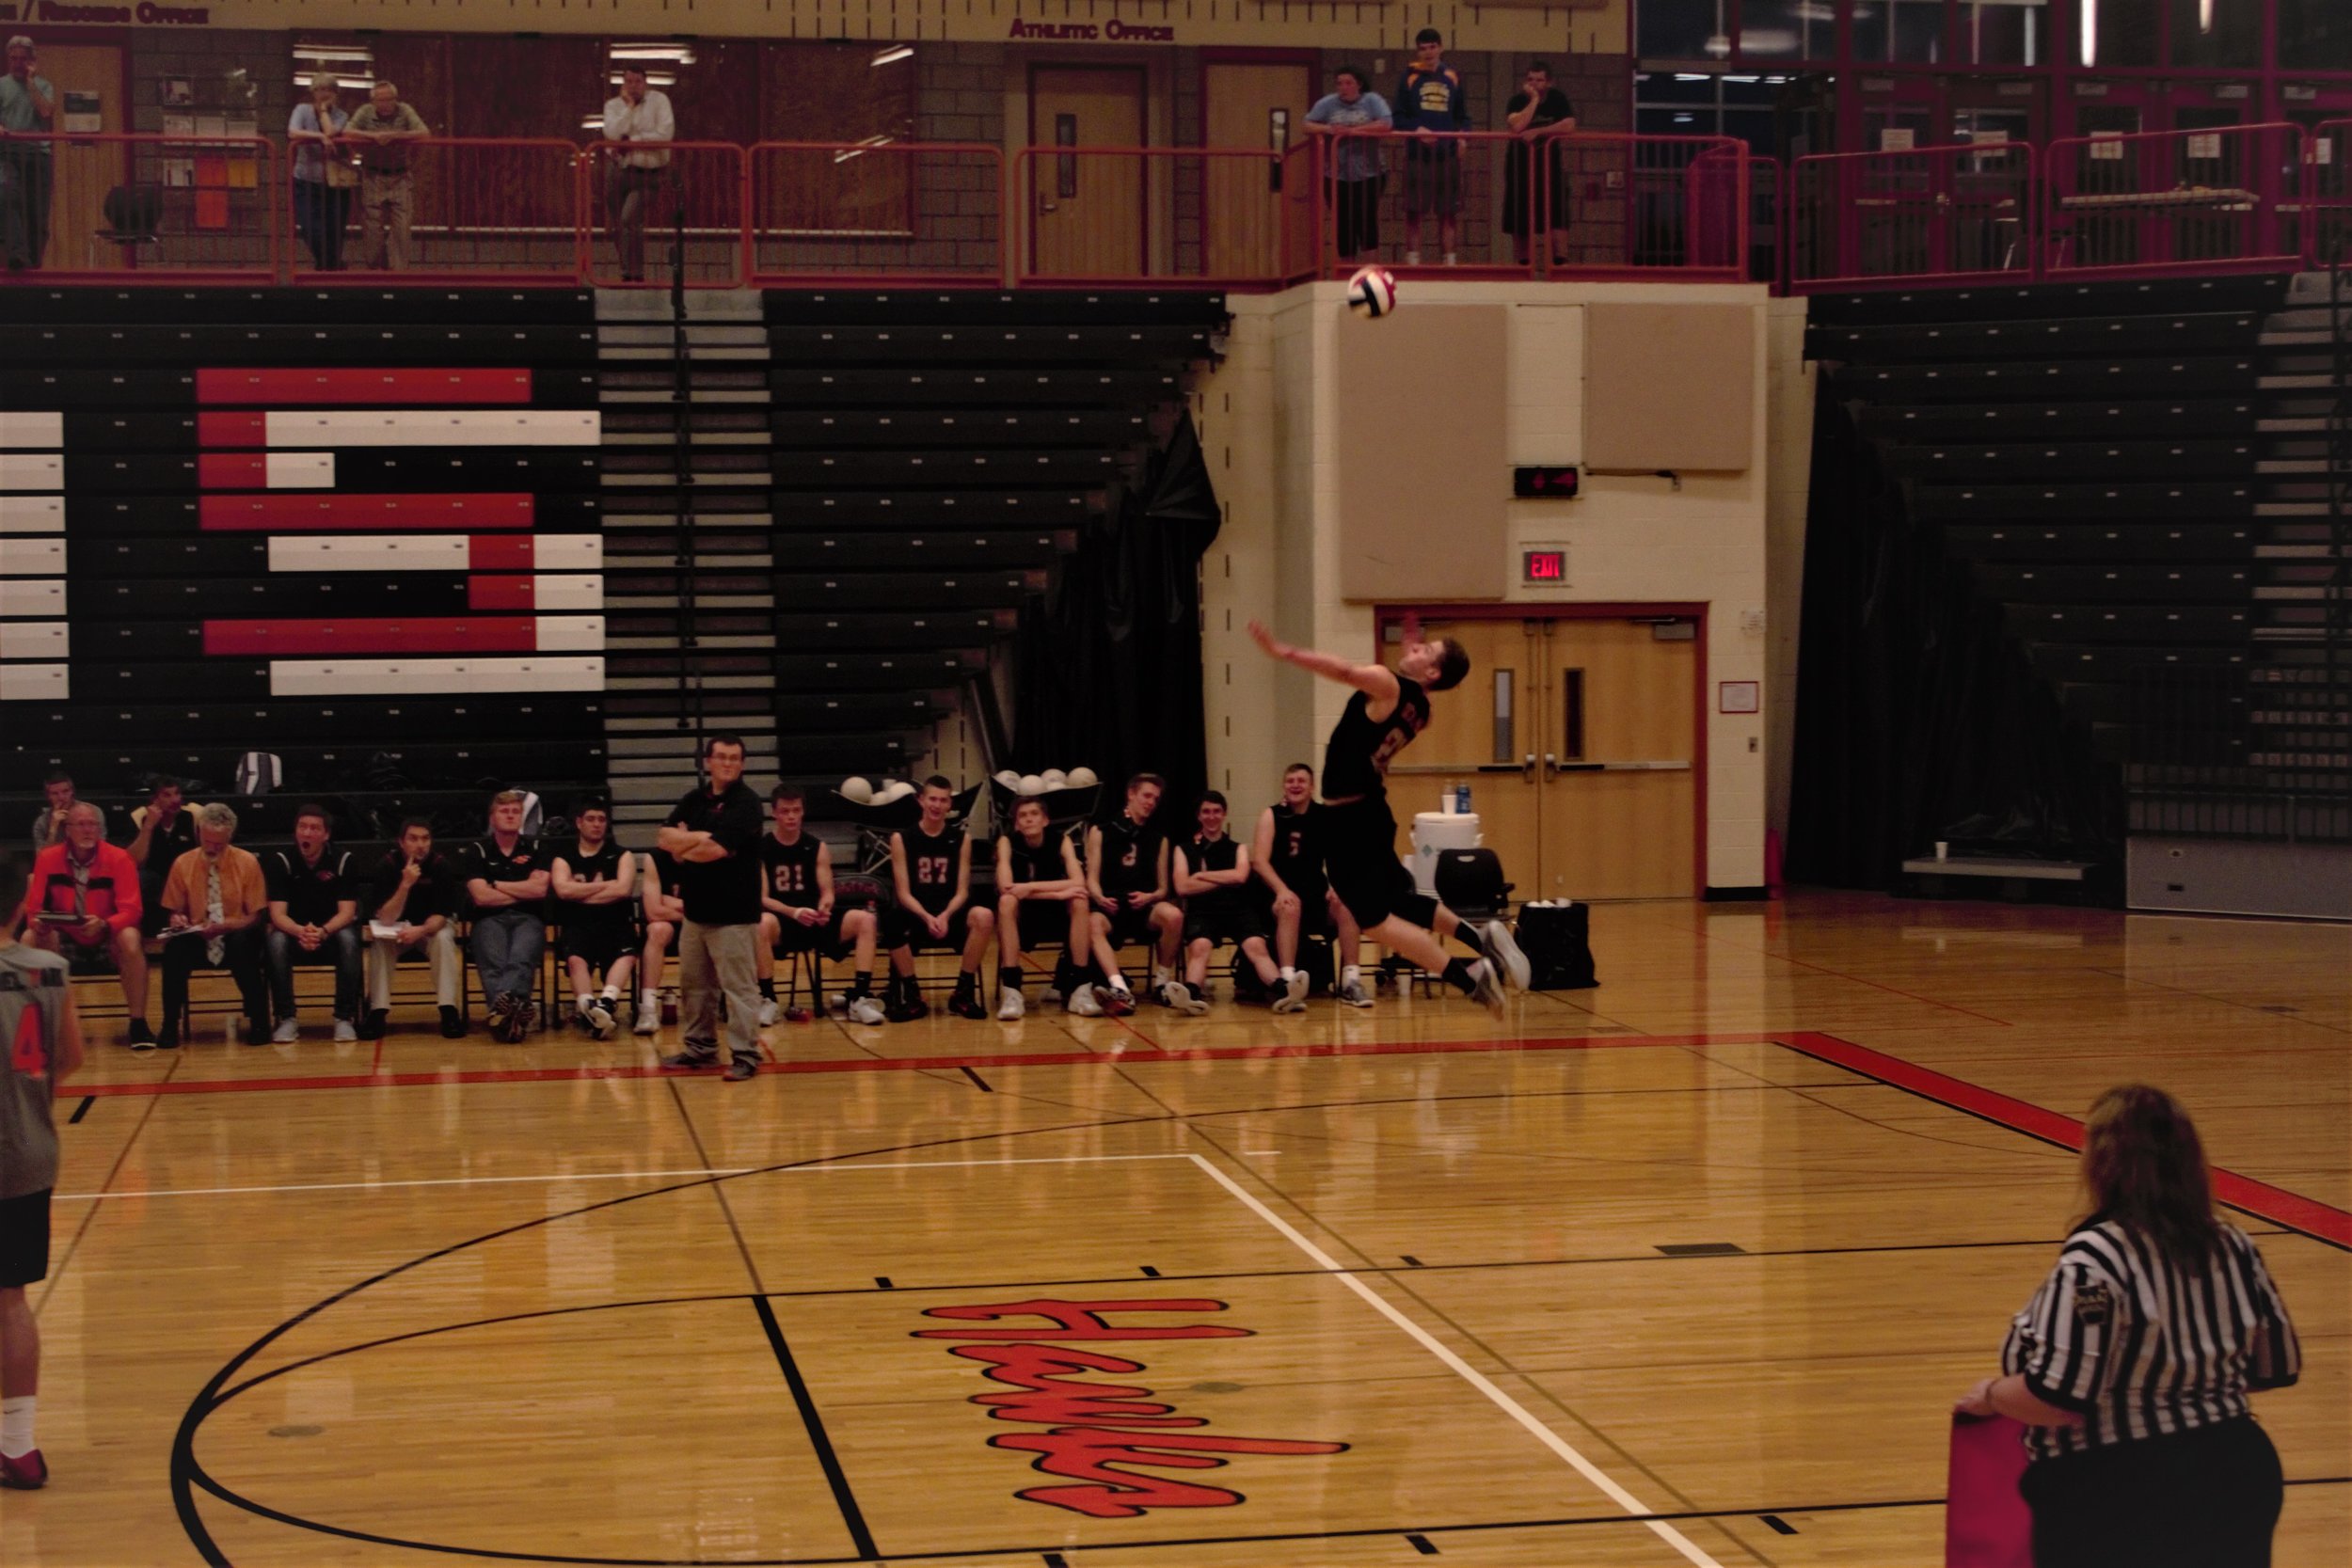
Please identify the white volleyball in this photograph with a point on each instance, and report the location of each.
(1372, 291)
(1010, 779)
(896, 789)
(1032, 784)
(857, 790)
(1080, 778)
(1054, 778)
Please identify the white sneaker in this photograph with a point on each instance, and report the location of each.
(1009, 1006)
(864, 1009)
(648, 1013)
(599, 1017)
(766, 1011)
(288, 1030)
(1083, 1004)
(1503, 951)
(1179, 996)
(1292, 998)
(1490, 994)
(1353, 993)
(345, 1031)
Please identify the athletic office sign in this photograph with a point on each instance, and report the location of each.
(1099, 1435)
(1113, 31)
(146, 14)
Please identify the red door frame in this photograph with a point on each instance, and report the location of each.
(1384, 614)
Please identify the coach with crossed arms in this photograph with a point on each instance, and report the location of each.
(713, 835)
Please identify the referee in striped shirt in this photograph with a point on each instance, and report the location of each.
(2132, 1364)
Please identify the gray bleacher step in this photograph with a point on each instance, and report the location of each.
(666, 395)
(664, 335)
(2290, 509)
(747, 521)
(2294, 425)
(760, 481)
(702, 304)
(703, 643)
(619, 601)
(2313, 382)
(663, 354)
(696, 437)
(649, 729)
(669, 562)
(708, 683)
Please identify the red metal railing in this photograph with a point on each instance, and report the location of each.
(1232, 217)
(916, 213)
(128, 208)
(1579, 204)
(2230, 197)
(1932, 213)
(655, 214)
(436, 209)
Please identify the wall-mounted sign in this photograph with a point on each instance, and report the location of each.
(1545, 568)
(1113, 31)
(147, 14)
(1555, 482)
(1737, 696)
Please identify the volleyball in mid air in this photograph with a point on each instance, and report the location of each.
(1372, 291)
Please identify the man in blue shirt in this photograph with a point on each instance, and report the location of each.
(1431, 107)
(27, 103)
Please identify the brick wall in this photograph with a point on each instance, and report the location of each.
(959, 200)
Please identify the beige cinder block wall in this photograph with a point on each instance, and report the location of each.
(1269, 417)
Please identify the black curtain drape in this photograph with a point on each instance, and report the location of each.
(1110, 662)
(1918, 715)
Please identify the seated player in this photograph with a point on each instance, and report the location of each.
(412, 902)
(506, 878)
(166, 831)
(216, 902)
(85, 903)
(1040, 897)
(797, 912)
(665, 911)
(313, 918)
(1286, 858)
(931, 865)
(1126, 866)
(1213, 874)
(595, 881)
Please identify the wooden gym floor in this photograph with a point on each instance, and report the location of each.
(1684, 1269)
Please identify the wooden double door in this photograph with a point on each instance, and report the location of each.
(1579, 738)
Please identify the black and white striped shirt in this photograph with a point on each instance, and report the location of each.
(2140, 1347)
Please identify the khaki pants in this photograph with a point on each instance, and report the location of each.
(711, 959)
(440, 954)
(385, 201)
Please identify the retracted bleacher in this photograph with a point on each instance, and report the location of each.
(2147, 477)
(358, 528)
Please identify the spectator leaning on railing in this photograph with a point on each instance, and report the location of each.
(1354, 170)
(322, 175)
(27, 104)
(636, 114)
(387, 185)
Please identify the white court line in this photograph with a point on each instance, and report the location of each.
(607, 1175)
(1469, 1373)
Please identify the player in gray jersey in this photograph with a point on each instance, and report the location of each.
(40, 1043)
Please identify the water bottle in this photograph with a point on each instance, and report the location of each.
(1461, 800)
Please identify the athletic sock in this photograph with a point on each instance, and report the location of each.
(1463, 974)
(768, 989)
(16, 1427)
(611, 993)
(580, 1001)
(1118, 981)
(1351, 975)
(1287, 972)
(1009, 977)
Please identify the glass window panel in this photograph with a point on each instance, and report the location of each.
(1680, 30)
(1669, 86)
(2005, 32)
(1755, 127)
(1697, 121)
(1787, 30)
(2316, 34)
(1899, 30)
(2117, 32)
(2218, 32)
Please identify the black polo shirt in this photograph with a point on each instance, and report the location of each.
(169, 841)
(483, 858)
(309, 889)
(722, 892)
(437, 890)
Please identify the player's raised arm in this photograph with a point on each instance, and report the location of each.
(1376, 681)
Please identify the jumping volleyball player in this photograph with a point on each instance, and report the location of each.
(1389, 708)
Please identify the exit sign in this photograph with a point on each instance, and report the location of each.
(1558, 484)
(1544, 566)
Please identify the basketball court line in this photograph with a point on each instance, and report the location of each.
(1453, 1362)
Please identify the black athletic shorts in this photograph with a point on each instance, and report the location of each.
(1132, 928)
(1044, 923)
(602, 943)
(901, 929)
(24, 1240)
(1360, 857)
(1235, 923)
(1314, 909)
(823, 938)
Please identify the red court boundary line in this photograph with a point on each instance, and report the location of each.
(2295, 1212)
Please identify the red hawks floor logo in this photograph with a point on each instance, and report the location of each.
(1100, 1434)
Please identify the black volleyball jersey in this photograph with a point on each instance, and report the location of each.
(1041, 864)
(1220, 854)
(1357, 760)
(791, 868)
(1296, 856)
(602, 866)
(1131, 856)
(931, 866)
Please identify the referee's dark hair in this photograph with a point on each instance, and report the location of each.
(714, 742)
(1211, 798)
(1363, 83)
(312, 808)
(2145, 1165)
(1428, 35)
(784, 792)
(938, 780)
(1454, 667)
(1306, 768)
(1136, 780)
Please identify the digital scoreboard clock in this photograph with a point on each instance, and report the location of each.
(1556, 484)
